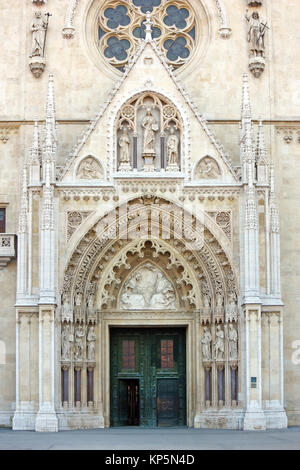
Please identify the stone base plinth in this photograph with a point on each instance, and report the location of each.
(46, 422)
(219, 419)
(84, 420)
(149, 161)
(257, 65)
(37, 66)
(255, 421)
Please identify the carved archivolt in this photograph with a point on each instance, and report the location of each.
(198, 266)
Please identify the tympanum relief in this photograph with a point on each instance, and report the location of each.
(89, 169)
(207, 168)
(147, 289)
(148, 135)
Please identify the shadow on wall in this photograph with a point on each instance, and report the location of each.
(2, 353)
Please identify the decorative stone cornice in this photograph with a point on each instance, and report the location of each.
(6, 131)
(291, 134)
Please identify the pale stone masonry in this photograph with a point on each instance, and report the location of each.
(149, 177)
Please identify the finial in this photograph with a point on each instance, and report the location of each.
(148, 24)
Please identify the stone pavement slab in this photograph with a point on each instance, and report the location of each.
(136, 438)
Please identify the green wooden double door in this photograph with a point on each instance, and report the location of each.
(148, 377)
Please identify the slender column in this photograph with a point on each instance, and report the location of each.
(221, 394)
(90, 385)
(65, 385)
(208, 397)
(77, 381)
(134, 162)
(46, 418)
(234, 384)
(162, 152)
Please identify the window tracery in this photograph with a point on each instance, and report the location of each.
(122, 26)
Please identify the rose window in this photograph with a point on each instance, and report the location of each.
(122, 26)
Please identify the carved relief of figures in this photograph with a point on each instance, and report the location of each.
(139, 121)
(65, 342)
(206, 344)
(79, 342)
(233, 339)
(219, 344)
(89, 169)
(148, 289)
(150, 128)
(172, 150)
(91, 344)
(207, 169)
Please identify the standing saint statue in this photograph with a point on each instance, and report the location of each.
(206, 344)
(38, 28)
(150, 127)
(256, 34)
(91, 339)
(233, 338)
(65, 342)
(172, 148)
(124, 144)
(219, 343)
(79, 338)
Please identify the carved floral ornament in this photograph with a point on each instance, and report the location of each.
(105, 257)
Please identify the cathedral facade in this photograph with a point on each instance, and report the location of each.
(149, 253)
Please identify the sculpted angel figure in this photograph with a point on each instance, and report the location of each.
(124, 144)
(256, 34)
(206, 344)
(172, 147)
(38, 28)
(150, 127)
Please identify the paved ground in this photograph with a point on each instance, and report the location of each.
(153, 439)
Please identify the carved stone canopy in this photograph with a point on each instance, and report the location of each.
(147, 289)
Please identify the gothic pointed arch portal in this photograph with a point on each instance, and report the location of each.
(150, 264)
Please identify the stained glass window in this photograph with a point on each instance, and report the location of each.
(167, 353)
(122, 26)
(128, 354)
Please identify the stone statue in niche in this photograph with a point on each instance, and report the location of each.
(78, 309)
(65, 342)
(172, 151)
(124, 143)
(219, 344)
(66, 310)
(91, 344)
(208, 169)
(231, 309)
(256, 39)
(206, 344)
(79, 342)
(150, 127)
(232, 338)
(148, 289)
(89, 169)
